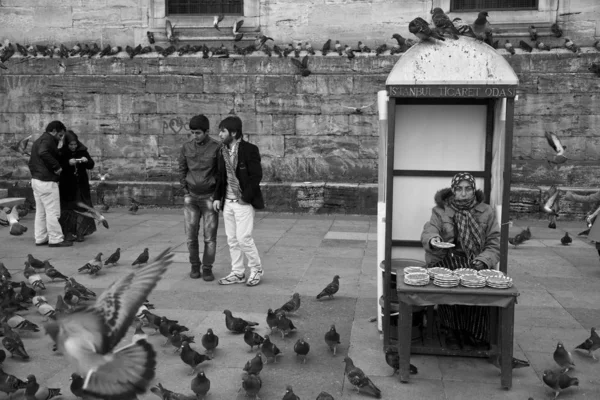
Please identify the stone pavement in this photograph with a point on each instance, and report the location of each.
(301, 253)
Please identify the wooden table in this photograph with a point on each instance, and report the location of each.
(409, 296)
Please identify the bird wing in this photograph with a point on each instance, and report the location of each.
(297, 63)
(84, 333)
(120, 301)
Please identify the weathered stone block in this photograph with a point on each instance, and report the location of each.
(322, 125)
(192, 65)
(284, 124)
(169, 146)
(126, 169)
(272, 84)
(335, 84)
(119, 146)
(528, 83)
(567, 103)
(345, 147)
(17, 102)
(168, 104)
(17, 17)
(280, 169)
(160, 169)
(54, 16)
(137, 103)
(363, 125)
(119, 64)
(23, 84)
(173, 84)
(524, 200)
(118, 84)
(243, 103)
(83, 16)
(11, 123)
(203, 103)
(278, 196)
(337, 104)
(88, 103)
(370, 84)
(254, 124)
(306, 84)
(561, 61)
(288, 104)
(269, 145)
(225, 84)
(568, 83)
(368, 147)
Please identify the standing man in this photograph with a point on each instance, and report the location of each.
(45, 171)
(197, 174)
(238, 194)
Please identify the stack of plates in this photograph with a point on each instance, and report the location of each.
(416, 279)
(465, 271)
(472, 281)
(438, 270)
(446, 280)
(499, 282)
(486, 273)
(410, 270)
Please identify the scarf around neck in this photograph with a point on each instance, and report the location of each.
(469, 231)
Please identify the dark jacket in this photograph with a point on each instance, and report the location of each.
(43, 162)
(74, 187)
(248, 172)
(198, 166)
(442, 224)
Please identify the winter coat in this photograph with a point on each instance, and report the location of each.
(74, 187)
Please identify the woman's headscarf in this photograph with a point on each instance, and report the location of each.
(469, 231)
(70, 136)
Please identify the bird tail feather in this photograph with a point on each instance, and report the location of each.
(374, 389)
(128, 372)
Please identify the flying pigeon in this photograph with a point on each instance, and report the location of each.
(218, 18)
(93, 213)
(89, 335)
(236, 27)
(170, 32)
(302, 65)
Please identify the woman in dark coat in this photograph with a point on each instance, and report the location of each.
(74, 187)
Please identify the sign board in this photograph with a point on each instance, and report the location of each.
(452, 91)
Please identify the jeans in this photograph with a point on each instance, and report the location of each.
(239, 223)
(47, 212)
(194, 208)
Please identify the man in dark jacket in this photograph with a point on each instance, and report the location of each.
(45, 171)
(238, 194)
(197, 175)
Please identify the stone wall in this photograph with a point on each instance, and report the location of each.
(318, 155)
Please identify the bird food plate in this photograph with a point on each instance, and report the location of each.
(416, 279)
(446, 280)
(499, 282)
(472, 281)
(438, 270)
(487, 273)
(444, 245)
(410, 270)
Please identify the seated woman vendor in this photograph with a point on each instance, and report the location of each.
(462, 218)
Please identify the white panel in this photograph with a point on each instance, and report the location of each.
(440, 137)
(413, 201)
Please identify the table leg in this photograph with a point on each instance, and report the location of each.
(404, 339)
(506, 344)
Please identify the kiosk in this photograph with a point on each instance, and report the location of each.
(448, 108)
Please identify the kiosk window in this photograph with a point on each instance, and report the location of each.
(487, 5)
(200, 7)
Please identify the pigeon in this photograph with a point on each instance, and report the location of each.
(358, 110)
(236, 325)
(210, 341)
(284, 324)
(200, 385)
(541, 46)
(135, 206)
(509, 47)
(309, 48)
(139, 333)
(443, 23)
(301, 348)
(13, 343)
(237, 36)
(152, 319)
(114, 257)
(421, 29)
(77, 385)
(289, 394)
(28, 270)
(9, 384)
(53, 273)
(551, 197)
(332, 338)
(302, 65)
(496, 360)
(93, 266)
(326, 47)
(331, 289)
(556, 30)
(92, 213)
(61, 306)
(349, 52)
(4, 273)
(16, 229)
(191, 357)
(566, 240)
(526, 233)
(482, 28)
(35, 280)
(393, 360)
(150, 36)
(167, 394)
(251, 384)
(34, 391)
(359, 380)
(83, 291)
(563, 357)
(170, 32)
(22, 324)
(270, 349)
(591, 344)
(21, 145)
(252, 338)
(34, 262)
(104, 207)
(89, 335)
(255, 365)
(379, 50)
(533, 33)
(325, 396)
(570, 45)
(167, 327)
(177, 339)
(517, 240)
(271, 319)
(558, 381)
(217, 20)
(45, 309)
(142, 258)
(525, 46)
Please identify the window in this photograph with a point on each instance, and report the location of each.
(205, 7)
(487, 5)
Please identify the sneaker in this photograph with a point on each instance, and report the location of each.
(207, 274)
(64, 243)
(254, 278)
(195, 273)
(231, 279)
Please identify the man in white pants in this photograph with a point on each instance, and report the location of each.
(45, 171)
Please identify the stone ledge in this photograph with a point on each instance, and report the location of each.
(306, 197)
(3, 193)
(10, 202)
